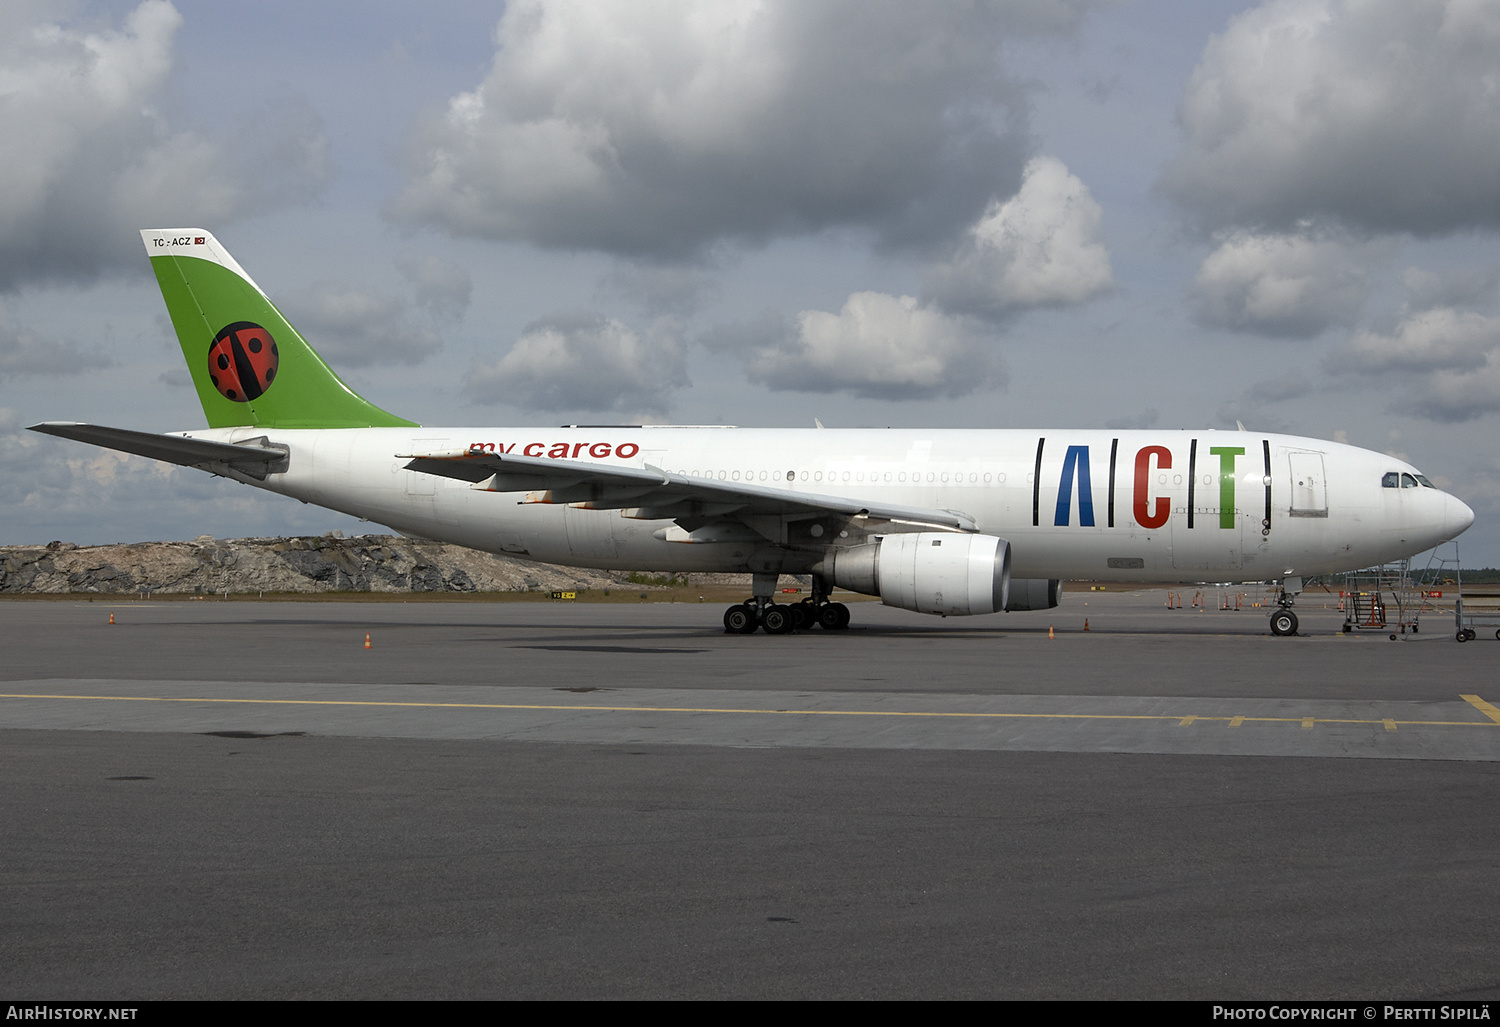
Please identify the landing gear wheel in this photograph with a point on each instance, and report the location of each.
(1462, 636)
(803, 615)
(1283, 622)
(1472, 634)
(777, 620)
(833, 616)
(741, 619)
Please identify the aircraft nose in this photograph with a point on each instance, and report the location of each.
(1457, 516)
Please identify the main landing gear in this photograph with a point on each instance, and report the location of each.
(781, 619)
(1284, 621)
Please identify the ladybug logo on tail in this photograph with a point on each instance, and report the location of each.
(242, 361)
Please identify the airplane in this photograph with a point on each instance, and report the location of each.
(949, 522)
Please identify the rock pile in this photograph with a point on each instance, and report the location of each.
(369, 563)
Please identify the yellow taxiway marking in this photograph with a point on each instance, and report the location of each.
(1483, 707)
(1235, 721)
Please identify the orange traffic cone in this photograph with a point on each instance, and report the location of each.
(1085, 623)
(1049, 632)
(111, 616)
(367, 641)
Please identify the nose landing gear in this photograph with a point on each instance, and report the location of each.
(1284, 621)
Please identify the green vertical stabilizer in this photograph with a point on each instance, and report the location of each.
(249, 365)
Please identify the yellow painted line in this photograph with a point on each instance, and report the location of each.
(1185, 721)
(1482, 706)
(1235, 721)
(1390, 725)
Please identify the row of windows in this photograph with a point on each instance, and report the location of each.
(899, 477)
(974, 477)
(1402, 480)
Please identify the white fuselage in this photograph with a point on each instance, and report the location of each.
(1100, 505)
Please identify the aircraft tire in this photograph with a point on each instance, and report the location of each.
(1462, 636)
(741, 619)
(1283, 622)
(777, 620)
(803, 615)
(842, 612)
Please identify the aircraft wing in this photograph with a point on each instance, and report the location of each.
(256, 457)
(649, 493)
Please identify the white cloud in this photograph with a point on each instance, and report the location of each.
(1445, 338)
(1382, 115)
(90, 157)
(1442, 364)
(657, 128)
(879, 346)
(352, 328)
(1282, 285)
(586, 362)
(1041, 247)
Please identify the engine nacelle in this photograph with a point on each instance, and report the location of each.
(1033, 594)
(945, 573)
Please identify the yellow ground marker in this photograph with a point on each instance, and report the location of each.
(1482, 706)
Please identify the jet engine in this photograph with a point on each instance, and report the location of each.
(1033, 594)
(945, 573)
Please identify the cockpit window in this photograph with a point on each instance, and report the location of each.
(1408, 482)
(1425, 483)
(1392, 480)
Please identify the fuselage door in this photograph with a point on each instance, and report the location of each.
(1309, 486)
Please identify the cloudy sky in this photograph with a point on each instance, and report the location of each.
(1040, 213)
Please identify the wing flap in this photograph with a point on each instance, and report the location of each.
(642, 491)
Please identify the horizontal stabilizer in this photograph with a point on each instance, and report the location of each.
(248, 458)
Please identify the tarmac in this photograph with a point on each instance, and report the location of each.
(211, 799)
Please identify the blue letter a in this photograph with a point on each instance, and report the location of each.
(1077, 459)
